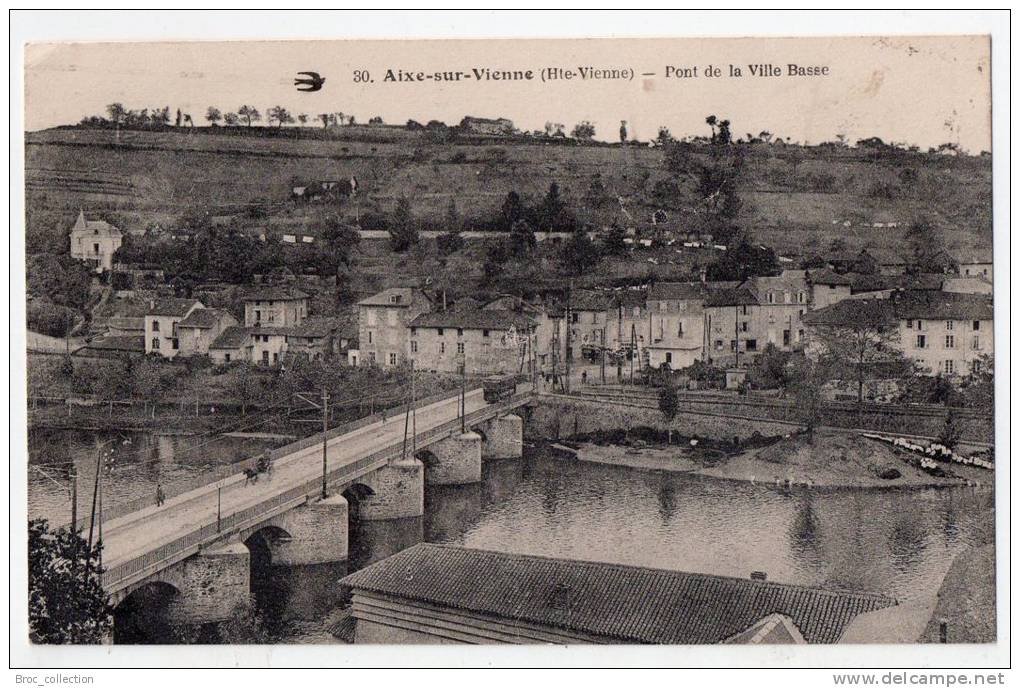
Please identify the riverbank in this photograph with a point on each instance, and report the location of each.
(829, 459)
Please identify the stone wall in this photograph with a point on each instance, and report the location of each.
(562, 418)
(504, 437)
(456, 460)
(398, 491)
(317, 533)
(210, 585)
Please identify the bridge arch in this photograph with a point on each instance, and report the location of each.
(262, 541)
(142, 616)
(428, 458)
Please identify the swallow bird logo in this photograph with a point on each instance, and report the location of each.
(313, 82)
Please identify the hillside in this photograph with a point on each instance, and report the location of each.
(796, 199)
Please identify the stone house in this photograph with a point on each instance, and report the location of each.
(473, 341)
(383, 320)
(233, 344)
(275, 306)
(94, 242)
(200, 328)
(676, 323)
(162, 321)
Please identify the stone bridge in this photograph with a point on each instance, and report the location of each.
(195, 549)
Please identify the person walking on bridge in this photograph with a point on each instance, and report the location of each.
(160, 495)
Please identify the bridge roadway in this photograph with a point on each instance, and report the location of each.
(143, 542)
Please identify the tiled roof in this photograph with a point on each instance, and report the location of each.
(473, 319)
(866, 283)
(171, 307)
(131, 343)
(403, 296)
(853, 313)
(972, 255)
(736, 296)
(827, 276)
(942, 305)
(317, 327)
(275, 293)
(231, 338)
(203, 318)
(625, 603)
(677, 291)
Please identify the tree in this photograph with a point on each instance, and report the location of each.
(246, 386)
(742, 261)
(231, 119)
(951, 432)
(249, 113)
(664, 136)
(451, 241)
(326, 118)
(807, 380)
(580, 254)
(280, 115)
(669, 406)
(596, 196)
(623, 131)
(554, 129)
(338, 243)
(376, 120)
(213, 115)
(513, 209)
(66, 600)
(116, 113)
(614, 243)
(303, 118)
(858, 341)
(583, 131)
(404, 228)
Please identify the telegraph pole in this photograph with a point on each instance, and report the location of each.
(570, 352)
(74, 498)
(414, 414)
(463, 398)
(325, 430)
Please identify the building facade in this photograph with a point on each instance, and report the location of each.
(162, 321)
(472, 341)
(94, 242)
(383, 320)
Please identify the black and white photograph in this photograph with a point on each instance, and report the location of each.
(673, 341)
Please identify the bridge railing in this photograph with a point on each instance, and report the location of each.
(212, 531)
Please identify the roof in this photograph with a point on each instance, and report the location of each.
(234, 337)
(204, 318)
(971, 256)
(95, 224)
(397, 297)
(625, 603)
(905, 305)
(317, 327)
(865, 283)
(275, 293)
(473, 319)
(677, 291)
(130, 343)
(827, 276)
(171, 306)
(734, 296)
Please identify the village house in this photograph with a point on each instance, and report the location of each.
(443, 594)
(268, 344)
(275, 306)
(162, 321)
(94, 242)
(827, 287)
(586, 313)
(320, 337)
(233, 344)
(974, 284)
(627, 321)
(472, 341)
(548, 342)
(382, 324)
(943, 332)
(676, 323)
(975, 263)
(200, 328)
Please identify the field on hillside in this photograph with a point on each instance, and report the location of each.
(794, 199)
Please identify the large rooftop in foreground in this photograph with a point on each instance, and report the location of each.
(628, 604)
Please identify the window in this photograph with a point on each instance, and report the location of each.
(949, 324)
(575, 317)
(155, 342)
(276, 358)
(155, 326)
(770, 298)
(680, 329)
(975, 343)
(414, 331)
(371, 357)
(460, 347)
(440, 331)
(949, 367)
(743, 310)
(752, 344)
(976, 325)
(786, 338)
(669, 358)
(922, 342)
(743, 327)
(485, 333)
(265, 357)
(414, 347)
(175, 344)
(460, 331)
(442, 347)
(718, 345)
(910, 324)
(226, 358)
(393, 359)
(258, 316)
(173, 329)
(272, 316)
(800, 335)
(95, 248)
(950, 341)
(370, 336)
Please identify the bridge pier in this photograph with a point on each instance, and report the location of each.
(504, 438)
(398, 491)
(211, 585)
(316, 533)
(456, 460)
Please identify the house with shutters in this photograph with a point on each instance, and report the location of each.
(676, 323)
(475, 341)
(275, 306)
(201, 328)
(162, 324)
(383, 321)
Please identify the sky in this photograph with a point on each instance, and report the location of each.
(915, 90)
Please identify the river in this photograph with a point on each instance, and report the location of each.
(896, 542)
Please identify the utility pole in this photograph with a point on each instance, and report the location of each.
(603, 366)
(463, 399)
(74, 498)
(633, 350)
(219, 494)
(325, 430)
(736, 336)
(570, 352)
(414, 414)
